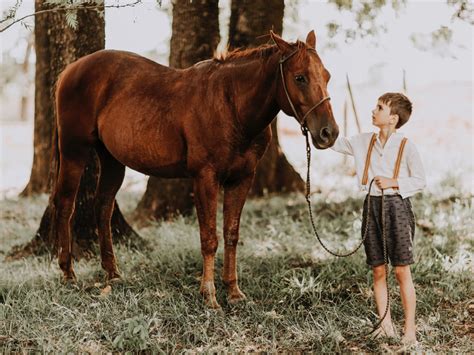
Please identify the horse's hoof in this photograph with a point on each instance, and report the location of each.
(210, 301)
(114, 277)
(70, 282)
(212, 304)
(236, 297)
(69, 278)
(208, 291)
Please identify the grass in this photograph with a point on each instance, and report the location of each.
(299, 298)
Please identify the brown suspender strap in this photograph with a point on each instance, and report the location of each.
(399, 158)
(367, 160)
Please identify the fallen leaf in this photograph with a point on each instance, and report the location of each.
(106, 291)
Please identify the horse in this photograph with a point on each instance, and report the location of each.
(209, 122)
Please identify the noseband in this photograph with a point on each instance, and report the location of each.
(302, 121)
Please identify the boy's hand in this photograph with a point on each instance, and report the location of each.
(384, 182)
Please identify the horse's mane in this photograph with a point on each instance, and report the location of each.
(263, 51)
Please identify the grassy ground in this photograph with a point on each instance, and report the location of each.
(299, 298)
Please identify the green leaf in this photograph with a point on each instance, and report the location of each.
(71, 19)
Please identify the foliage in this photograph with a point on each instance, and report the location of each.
(299, 298)
(438, 41)
(366, 24)
(70, 8)
(11, 12)
(464, 10)
(134, 333)
(365, 18)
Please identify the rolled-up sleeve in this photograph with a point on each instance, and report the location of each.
(343, 145)
(416, 181)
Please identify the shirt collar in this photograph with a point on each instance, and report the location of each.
(394, 137)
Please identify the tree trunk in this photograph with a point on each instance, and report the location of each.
(58, 45)
(195, 36)
(249, 20)
(25, 90)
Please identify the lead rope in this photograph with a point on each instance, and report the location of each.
(304, 129)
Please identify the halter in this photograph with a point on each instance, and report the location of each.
(302, 121)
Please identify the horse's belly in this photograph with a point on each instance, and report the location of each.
(150, 153)
(174, 170)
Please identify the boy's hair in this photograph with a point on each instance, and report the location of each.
(399, 105)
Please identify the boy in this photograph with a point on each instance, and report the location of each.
(376, 157)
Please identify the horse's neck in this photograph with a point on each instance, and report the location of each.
(255, 94)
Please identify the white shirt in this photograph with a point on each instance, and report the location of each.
(411, 178)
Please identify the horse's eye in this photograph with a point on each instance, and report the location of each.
(300, 78)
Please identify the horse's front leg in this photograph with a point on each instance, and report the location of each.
(206, 189)
(234, 200)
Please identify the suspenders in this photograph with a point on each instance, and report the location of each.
(369, 153)
(399, 158)
(367, 159)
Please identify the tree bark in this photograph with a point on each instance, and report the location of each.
(195, 36)
(58, 45)
(249, 20)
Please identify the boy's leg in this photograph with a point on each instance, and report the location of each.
(408, 295)
(381, 299)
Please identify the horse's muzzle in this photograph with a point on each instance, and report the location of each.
(326, 138)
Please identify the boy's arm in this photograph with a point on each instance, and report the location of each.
(343, 145)
(416, 182)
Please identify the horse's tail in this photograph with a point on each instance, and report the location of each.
(54, 173)
(55, 161)
(55, 155)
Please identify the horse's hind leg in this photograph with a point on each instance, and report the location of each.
(111, 177)
(71, 166)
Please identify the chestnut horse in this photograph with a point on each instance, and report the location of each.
(209, 122)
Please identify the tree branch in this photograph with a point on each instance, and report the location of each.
(12, 12)
(92, 7)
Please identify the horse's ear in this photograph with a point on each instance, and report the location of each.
(311, 39)
(283, 46)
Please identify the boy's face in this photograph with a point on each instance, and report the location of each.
(381, 116)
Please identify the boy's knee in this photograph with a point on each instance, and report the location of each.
(402, 273)
(379, 272)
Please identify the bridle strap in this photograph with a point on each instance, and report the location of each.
(302, 121)
(314, 107)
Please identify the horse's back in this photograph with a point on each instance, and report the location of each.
(100, 72)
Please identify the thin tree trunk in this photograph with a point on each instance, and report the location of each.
(58, 45)
(45, 77)
(249, 21)
(25, 90)
(195, 36)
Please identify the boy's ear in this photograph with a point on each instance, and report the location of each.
(282, 45)
(395, 119)
(311, 40)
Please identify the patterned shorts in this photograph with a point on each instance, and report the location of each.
(399, 230)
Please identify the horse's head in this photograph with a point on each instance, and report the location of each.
(302, 89)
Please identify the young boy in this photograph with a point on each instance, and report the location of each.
(376, 157)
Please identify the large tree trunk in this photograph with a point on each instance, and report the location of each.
(56, 46)
(195, 36)
(249, 20)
